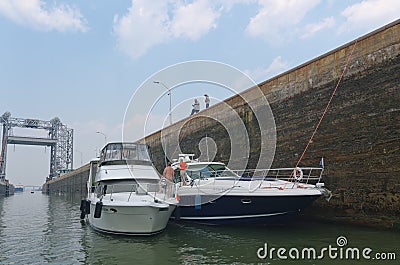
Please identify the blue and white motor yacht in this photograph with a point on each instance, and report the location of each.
(214, 194)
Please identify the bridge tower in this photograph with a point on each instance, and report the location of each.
(60, 141)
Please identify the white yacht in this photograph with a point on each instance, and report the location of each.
(214, 194)
(125, 192)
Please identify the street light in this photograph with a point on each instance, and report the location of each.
(170, 99)
(81, 155)
(105, 137)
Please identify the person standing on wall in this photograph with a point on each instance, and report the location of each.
(196, 107)
(207, 100)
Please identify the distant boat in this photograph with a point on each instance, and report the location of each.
(19, 188)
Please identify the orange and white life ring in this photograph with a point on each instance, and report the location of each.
(298, 174)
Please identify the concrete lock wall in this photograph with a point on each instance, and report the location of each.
(70, 183)
(358, 138)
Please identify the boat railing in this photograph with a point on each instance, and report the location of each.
(306, 175)
(256, 178)
(163, 190)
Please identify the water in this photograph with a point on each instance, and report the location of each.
(39, 229)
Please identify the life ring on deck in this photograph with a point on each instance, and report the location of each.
(298, 174)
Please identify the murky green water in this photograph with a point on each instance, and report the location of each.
(38, 229)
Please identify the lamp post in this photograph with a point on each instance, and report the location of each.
(81, 155)
(105, 137)
(170, 99)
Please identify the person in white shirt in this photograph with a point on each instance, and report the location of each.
(196, 107)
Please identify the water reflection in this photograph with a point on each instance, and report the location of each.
(23, 218)
(37, 229)
(63, 230)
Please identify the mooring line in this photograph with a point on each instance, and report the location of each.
(326, 108)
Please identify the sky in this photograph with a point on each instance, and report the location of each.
(83, 61)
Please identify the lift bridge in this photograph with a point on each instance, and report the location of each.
(60, 140)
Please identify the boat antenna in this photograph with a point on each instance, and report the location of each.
(208, 159)
(165, 156)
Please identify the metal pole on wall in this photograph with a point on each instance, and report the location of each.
(170, 99)
(105, 137)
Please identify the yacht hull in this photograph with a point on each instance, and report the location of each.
(231, 209)
(130, 220)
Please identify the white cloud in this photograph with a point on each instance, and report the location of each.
(276, 67)
(194, 20)
(227, 5)
(145, 25)
(275, 19)
(36, 14)
(149, 23)
(311, 29)
(370, 14)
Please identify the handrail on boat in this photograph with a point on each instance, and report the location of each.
(261, 177)
(256, 178)
(310, 174)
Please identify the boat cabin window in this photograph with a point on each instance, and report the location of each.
(116, 186)
(126, 152)
(201, 171)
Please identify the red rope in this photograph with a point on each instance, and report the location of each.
(326, 108)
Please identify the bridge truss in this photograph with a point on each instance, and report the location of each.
(60, 140)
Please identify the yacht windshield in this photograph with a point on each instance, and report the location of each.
(201, 171)
(125, 152)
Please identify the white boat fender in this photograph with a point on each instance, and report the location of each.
(98, 209)
(298, 174)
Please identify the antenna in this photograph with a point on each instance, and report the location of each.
(208, 159)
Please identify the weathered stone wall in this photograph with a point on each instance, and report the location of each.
(359, 136)
(71, 183)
